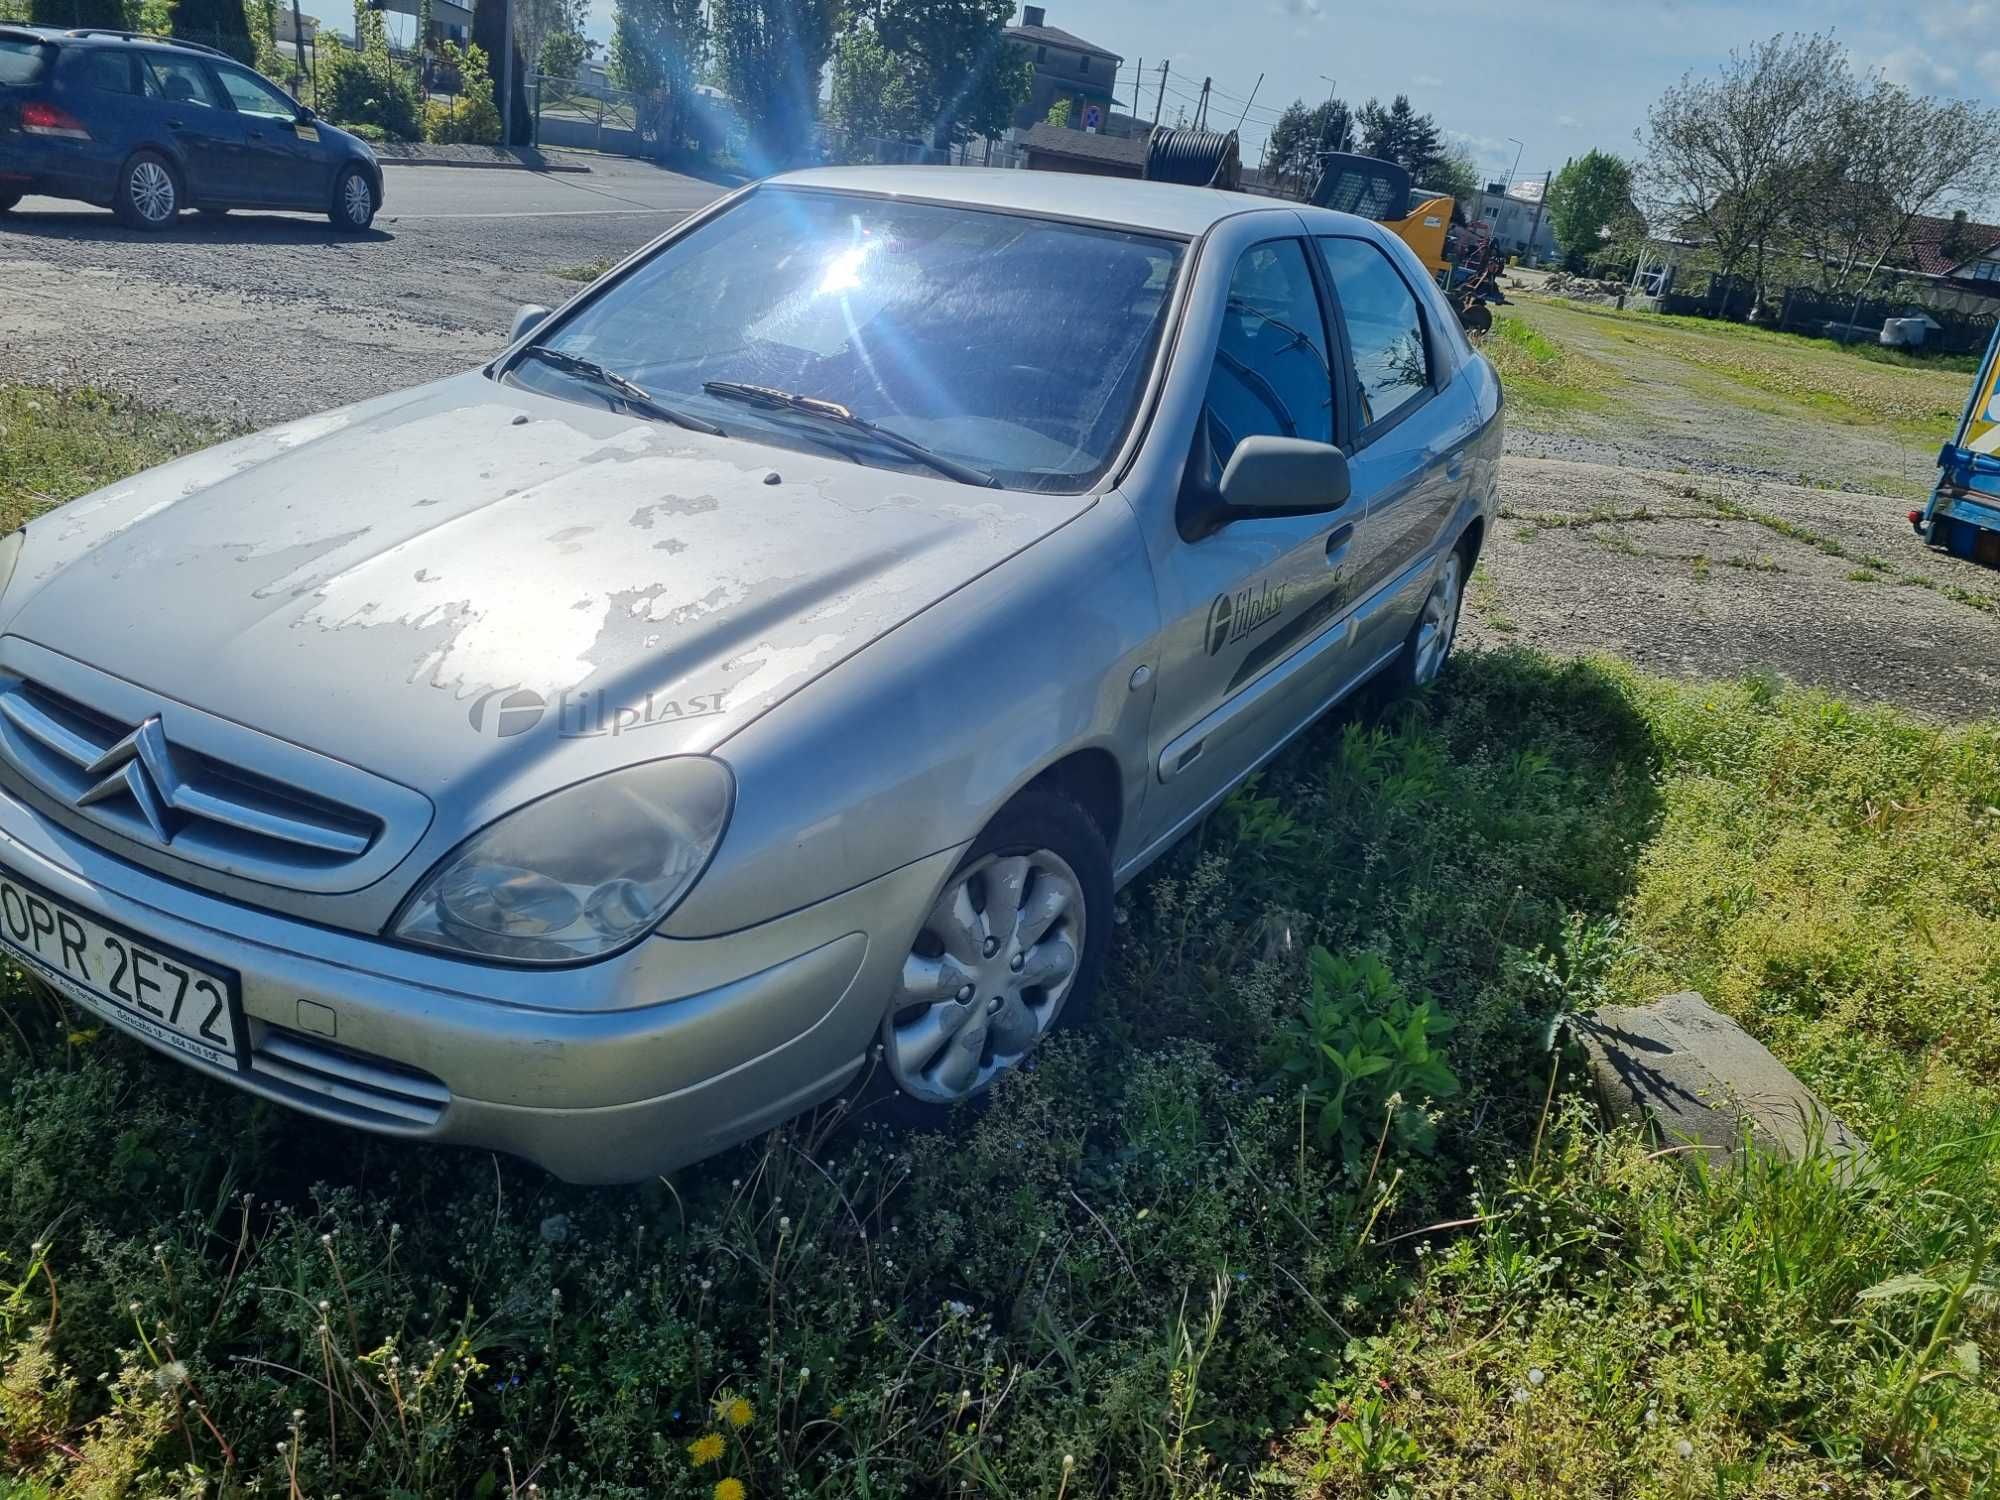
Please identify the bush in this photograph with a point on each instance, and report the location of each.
(368, 87)
(469, 116)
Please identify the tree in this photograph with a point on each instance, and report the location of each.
(1058, 114)
(1894, 156)
(1589, 196)
(1303, 131)
(1401, 135)
(216, 23)
(657, 52)
(489, 32)
(769, 55)
(873, 94)
(563, 52)
(965, 78)
(536, 21)
(1731, 158)
(1455, 173)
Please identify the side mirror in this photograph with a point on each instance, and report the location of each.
(306, 115)
(1278, 476)
(526, 321)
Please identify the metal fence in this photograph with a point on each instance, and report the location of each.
(1809, 311)
(594, 118)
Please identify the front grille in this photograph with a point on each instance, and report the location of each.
(368, 1090)
(168, 778)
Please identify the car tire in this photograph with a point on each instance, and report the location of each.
(149, 192)
(977, 996)
(353, 205)
(1428, 646)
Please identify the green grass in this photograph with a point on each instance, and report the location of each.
(1139, 1273)
(585, 273)
(1781, 373)
(58, 444)
(1542, 379)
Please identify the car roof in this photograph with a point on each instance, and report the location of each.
(1160, 206)
(106, 36)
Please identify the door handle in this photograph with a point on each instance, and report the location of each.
(1338, 543)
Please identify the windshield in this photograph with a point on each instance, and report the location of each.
(1015, 345)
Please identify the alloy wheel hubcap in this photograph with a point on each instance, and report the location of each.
(152, 192)
(1439, 622)
(357, 197)
(987, 976)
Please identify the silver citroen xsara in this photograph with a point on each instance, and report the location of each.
(773, 661)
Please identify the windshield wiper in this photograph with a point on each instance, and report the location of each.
(626, 389)
(833, 411)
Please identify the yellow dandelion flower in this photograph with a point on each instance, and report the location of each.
(738, 1414)
(706, 1449)
(729, 1489)
(839, 1410)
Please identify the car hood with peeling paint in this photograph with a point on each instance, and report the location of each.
(484, 593)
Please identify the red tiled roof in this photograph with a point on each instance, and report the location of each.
(1937, 245)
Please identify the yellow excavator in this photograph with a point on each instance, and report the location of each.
(1419, 217)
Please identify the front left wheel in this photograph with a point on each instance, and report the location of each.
(1012, 948)
(353, 206)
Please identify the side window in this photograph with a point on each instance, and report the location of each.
(253, 96)
(1384, 329)
(178, 80)
(109, 70)
(1271, 374)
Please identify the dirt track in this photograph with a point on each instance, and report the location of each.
(1698, 527)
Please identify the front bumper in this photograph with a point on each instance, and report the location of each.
(746, 1030)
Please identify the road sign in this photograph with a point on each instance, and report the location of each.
(1092, 117)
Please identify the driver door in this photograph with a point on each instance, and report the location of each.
(1257, 638)
(281, 157)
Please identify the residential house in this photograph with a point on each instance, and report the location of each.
(1515, 220)
(1066, 68)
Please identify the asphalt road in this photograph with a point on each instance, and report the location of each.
(263, 317)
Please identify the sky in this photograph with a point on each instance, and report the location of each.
(1541, 81)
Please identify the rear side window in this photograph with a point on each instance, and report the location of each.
(178, 80)
(111, 71)
(21, 62)
(1384, 329)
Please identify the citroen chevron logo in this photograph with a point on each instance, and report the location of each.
(140, 767)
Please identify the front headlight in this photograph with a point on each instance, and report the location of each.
(10, 553)
(582, 872)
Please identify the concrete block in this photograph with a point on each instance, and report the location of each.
(1697, 1078)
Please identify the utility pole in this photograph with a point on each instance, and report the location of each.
(1201, 113)
(299, 55)
(1161, 99)
(1536, 228)
(1138, 77)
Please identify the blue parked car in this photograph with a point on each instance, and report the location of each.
(147, 126)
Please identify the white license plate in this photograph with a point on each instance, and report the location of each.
(155, 991)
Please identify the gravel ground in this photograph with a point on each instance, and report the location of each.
(1692, 534)
(266, 317)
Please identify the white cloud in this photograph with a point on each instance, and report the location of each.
(1914, 68)
(1568, 122)
(1427, 81)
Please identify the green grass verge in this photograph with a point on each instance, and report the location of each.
(585, 273)
(1543, 379)
(1144, 1270)
(58, 444)
(1916, 399)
